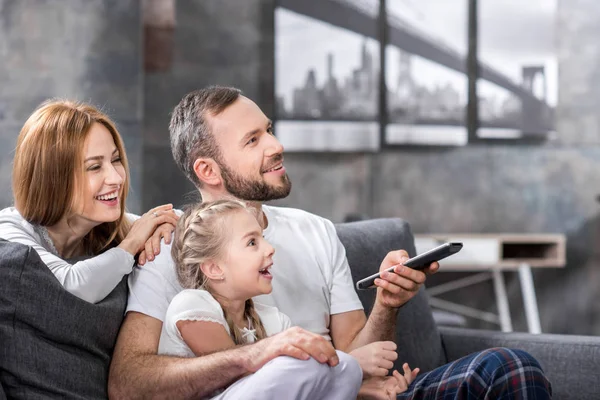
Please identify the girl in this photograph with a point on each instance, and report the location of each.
(70, 184)
(222, 261)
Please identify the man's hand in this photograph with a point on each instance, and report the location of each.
(376, 359)
(396, 288)
(294, 342)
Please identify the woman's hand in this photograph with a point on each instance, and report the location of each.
(376, 358)
(387, 388)
(152, 247)
(142, 230)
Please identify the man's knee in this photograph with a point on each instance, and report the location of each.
(511, 369)
(501, 358)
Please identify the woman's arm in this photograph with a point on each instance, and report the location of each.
(90, 280)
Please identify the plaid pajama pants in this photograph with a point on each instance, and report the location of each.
(497, 374)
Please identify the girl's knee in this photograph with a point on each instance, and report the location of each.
(348, 367)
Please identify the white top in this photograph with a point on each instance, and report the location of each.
(91, 279)
(311, 276)
(199, 305)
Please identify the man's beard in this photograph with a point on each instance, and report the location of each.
(253, 189)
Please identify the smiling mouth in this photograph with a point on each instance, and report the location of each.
(277, 167)
(265, 271)
(108, 197)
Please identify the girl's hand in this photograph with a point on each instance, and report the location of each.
(398, 383)
(146, 225)
(376, 358)
(387, 388)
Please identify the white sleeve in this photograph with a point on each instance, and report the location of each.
(91, 280)
(286, 322)
(195, 305)
(153, 285)
(343, 295)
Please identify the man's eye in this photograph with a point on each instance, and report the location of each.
(251, 140)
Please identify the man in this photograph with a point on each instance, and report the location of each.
(224, 144)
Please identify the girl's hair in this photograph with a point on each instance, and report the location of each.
(201, 236)
(48, 176)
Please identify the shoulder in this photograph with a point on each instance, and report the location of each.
(297, 217)
(195, 304)
(14, 226)
(197, 297)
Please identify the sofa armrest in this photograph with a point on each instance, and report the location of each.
(571, 362)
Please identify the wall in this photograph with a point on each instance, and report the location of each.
(480, 188)
(79, 49)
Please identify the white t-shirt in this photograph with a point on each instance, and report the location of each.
(199, 305)
(311, 275)
(90, 279)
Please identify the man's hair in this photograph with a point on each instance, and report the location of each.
(191, 134)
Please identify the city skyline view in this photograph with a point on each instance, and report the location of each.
(338, 79)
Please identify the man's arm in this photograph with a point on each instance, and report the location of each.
(137, 371)
(352, 329)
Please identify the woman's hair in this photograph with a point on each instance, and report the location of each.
(48, 170)
(201, 236)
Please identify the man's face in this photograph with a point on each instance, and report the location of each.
(251, 158)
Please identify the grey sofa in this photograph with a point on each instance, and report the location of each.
(53, 345)
(572, 363)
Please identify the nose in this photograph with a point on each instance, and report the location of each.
(274, 146)
(269, 250)
(113, 176)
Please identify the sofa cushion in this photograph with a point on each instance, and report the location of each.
(52, 344)
(367, 243)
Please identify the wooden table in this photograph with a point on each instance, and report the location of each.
(489, 255)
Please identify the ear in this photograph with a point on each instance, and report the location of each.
(212, 271)
(207, 171)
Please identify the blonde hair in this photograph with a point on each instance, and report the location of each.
(200, 236)
(48, 168)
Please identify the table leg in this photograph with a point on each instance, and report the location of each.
(531, 308)
(502, 301)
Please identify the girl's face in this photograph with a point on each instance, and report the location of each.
(247, 259)
(104, 178)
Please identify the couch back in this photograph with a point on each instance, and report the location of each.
(367, 243)
(54, 345)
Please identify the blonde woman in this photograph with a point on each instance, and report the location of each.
(70, 184)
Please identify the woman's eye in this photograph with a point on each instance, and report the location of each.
(116, 160)
(94, 167)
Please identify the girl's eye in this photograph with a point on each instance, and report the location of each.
(252, 242)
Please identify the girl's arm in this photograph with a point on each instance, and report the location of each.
(204, 337)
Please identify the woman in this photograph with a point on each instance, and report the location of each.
(70, 184)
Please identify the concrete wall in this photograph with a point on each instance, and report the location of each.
(77, 49)
(479, 188)
(92, 51)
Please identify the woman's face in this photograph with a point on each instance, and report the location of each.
(104, 177)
